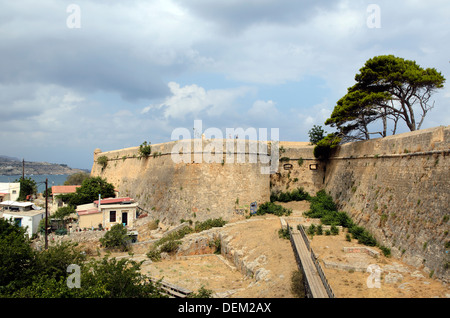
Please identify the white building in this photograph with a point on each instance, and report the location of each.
(107, 213)
(9, 191)
(25, 214)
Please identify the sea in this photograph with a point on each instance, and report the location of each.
(53, 180)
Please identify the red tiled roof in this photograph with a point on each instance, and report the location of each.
(65, 189)
(113, 200)
(90, 211)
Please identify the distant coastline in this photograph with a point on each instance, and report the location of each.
(10, 166)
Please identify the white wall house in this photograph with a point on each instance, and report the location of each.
(107, 212)
(9, 191)
(25, 214)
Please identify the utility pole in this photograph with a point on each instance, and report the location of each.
(46, 212)
(23, 168)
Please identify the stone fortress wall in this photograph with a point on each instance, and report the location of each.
(193, 189)
(396, 187)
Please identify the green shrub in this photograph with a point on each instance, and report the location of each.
(216, 243)
(154, 255)
(386, 251)
(348, 237)
(201, 293)
(297, 285)
(298, 194)
(334, 230)
(145, 149)
(322, 206)
(102, 161)
(208, 224)
(363, 236)
(170, 246)
(325, 146)
(284, 234)
(177, 235)
(272, 208)
(116, 238)
(319, 230)
(311, 229)
(61, 232)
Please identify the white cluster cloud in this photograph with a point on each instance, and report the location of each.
(195, 100)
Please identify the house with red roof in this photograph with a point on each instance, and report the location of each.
(58, 190)
(106, 213)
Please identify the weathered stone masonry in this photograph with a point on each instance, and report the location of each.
(190, 191)
(396, 187)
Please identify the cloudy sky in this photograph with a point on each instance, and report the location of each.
(80, 75)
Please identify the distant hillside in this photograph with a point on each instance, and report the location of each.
(13, 166)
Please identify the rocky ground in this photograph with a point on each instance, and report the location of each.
(257, 263)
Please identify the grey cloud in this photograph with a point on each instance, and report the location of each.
(236, 15)
(109, 52)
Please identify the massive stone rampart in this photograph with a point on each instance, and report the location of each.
(297, 168)
(398, 188)
(193, 189)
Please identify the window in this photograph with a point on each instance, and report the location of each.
(112, 216)
(14, 191)
(18, 221)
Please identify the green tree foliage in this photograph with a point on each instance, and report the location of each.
(62, 212)
(76, 178)
(89, 191)
(316, 134)
(16, 256)
(27, 187)
(387, 88)
(356, 111)
(54, 261)
(116, 238)
(28, 273)
(201, 293)
(324, 147)
(114, 278)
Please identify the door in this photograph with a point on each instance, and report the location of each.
(125, 218)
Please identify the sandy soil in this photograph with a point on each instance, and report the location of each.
(259, 237)
(413, 283)
(255, 238)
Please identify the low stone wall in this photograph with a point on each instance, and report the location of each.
(344, 266)
(359, 249)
